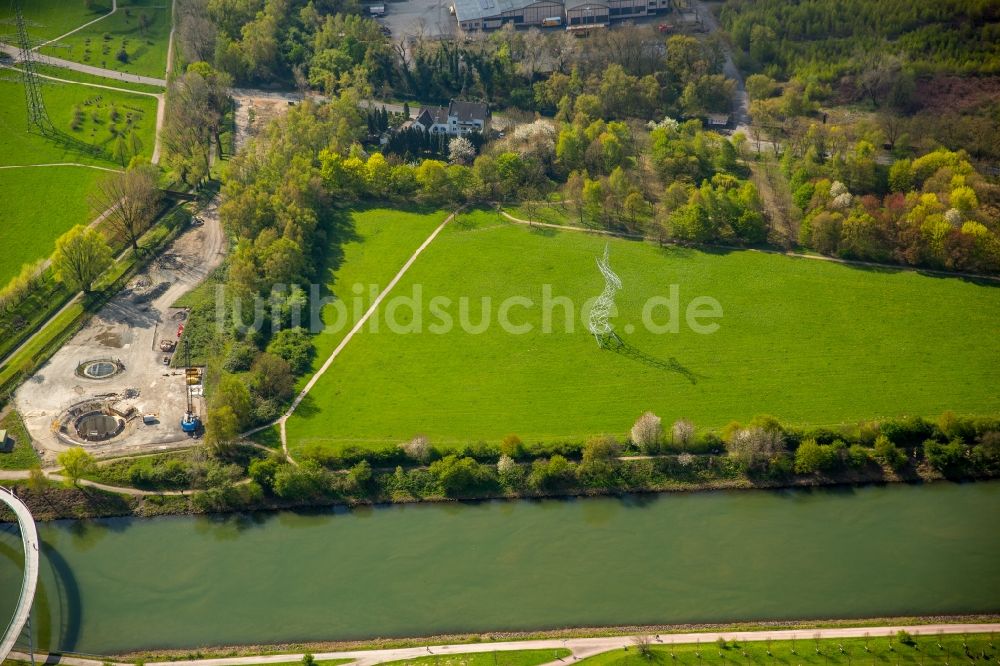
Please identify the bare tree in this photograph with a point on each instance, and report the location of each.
(534, 52)
(196, 32)
(643, 645)
(129, 201)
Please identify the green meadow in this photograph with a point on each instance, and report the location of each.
(48, 19)
(812, 342)
(497, 658)
(34, 213)
(40, 203)
(950, 649)
(140, 27)
(86, 114)
(380, 240)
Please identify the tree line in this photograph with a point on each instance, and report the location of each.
(327, 46)
(762, 452)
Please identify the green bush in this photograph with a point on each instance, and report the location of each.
(888, 453)
(240, 357)
(307, 481)
(459, 476)
(552, 474)
(949, 459)
(295, 346)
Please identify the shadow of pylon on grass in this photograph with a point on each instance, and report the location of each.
(671, 364)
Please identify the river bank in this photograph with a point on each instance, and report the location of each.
(58, 502)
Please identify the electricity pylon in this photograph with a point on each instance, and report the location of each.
(38, 115)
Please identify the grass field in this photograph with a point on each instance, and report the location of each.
(381, 240)
(51, 18)
(548, 213)
(28, 225)
(811, 342)
(63, 101)
(99, 44)
(952, 649)
(21, 455)
(499, 658)
(40, 203)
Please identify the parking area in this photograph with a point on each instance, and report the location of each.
(411, 18)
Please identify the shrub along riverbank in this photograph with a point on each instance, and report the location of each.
(760, 454)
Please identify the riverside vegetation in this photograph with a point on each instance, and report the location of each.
(650, 458)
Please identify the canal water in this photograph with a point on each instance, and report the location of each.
(122, 584)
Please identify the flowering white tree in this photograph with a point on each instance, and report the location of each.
(755, 447)
(418, 448)
(683, 432)
(535, 139)
(461, 151)
(647, 431)
(667, 123)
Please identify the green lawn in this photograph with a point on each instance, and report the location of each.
(498, 658)
(550, 213)
(21, 456)
(40, 203)
(49, 19)
(811, 342)
(380, 242)
(64, 101)
(924, 650)
(99, 44)
(29, 223)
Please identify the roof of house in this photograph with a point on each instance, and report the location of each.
(430, 115)
(468, 111)
(718, 119)
(470, 10)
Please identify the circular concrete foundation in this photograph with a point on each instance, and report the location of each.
(98, 426)
(99, 369)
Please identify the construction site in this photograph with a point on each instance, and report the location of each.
(112, 388)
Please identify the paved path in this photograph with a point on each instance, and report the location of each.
(51, 475)
(86, 69)
(61, 164)
(580, 647)
(347, 338)
(29, 538)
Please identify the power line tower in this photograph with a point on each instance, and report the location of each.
(38, 116)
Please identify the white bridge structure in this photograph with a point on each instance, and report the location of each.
(29, 537)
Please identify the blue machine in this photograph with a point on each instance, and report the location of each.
(190, 423)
